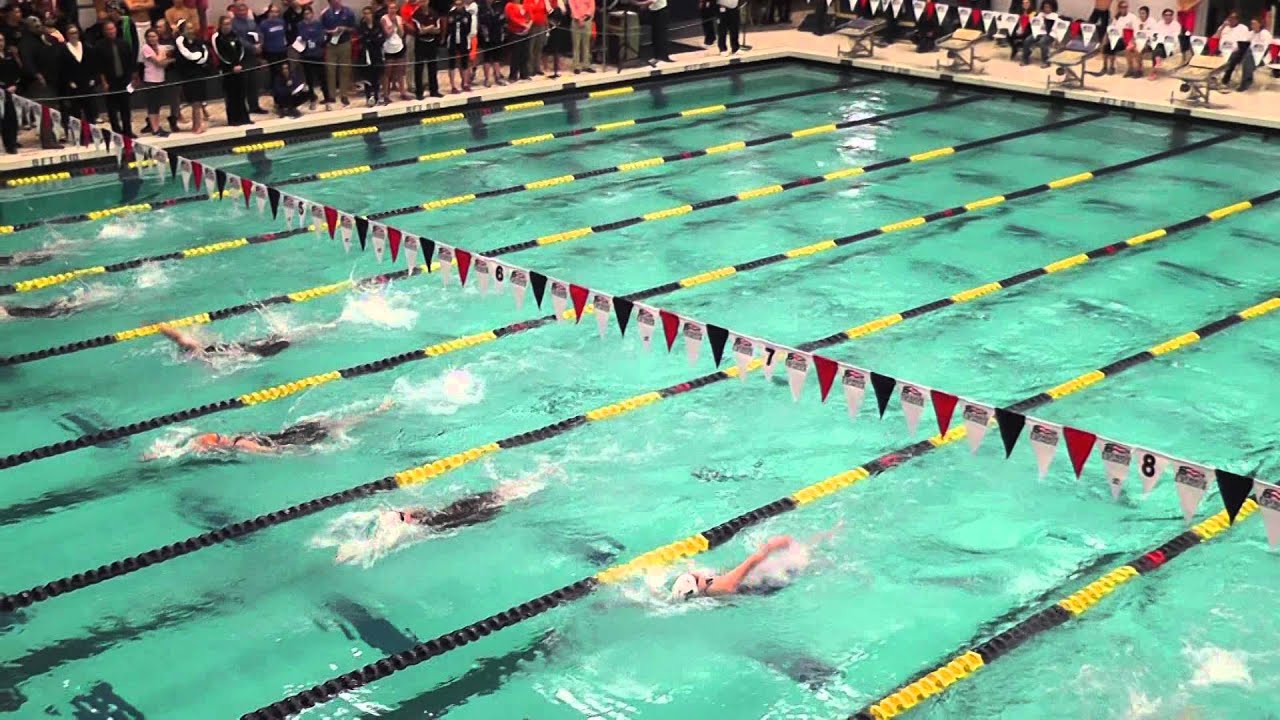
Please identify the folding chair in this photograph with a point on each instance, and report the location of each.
(1070, 60)
(1197, 78)
(959, 47)
(861, 34)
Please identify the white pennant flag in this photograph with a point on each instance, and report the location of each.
(260, 194)
(410, 249)
(942, 9)
(346, 226)
(1087, 31)
(1044, 442)
(876, 5)
(162, 164)
(75, 130)
(965, 14)
(499, 274)
(1008, 22)
(445, 254)
(184, 169)
(480, 267)
(317, 219)
(1037, 26)
(210, 181)
(918, 7)
(290, 207)
(379, 232)
(1268, 496)
(1198, 44)
(693, 334)
(1140, 39)
(855, 389)
(646, 321)
(1060, 28)
(797, 370)
(1170, 43)
(603, 306)
(1115, 36)
(1228, 47)
(912, 398)
(977, 418)
(897, 6)
(743, 351)
(95, 134)
(1258, 50)
(519, 283)
(233, 184)
(1150, 467)
(1115, 462)
(989, 18)
(1192, 482)
(559, 298)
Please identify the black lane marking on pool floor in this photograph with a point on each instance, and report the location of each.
(119, 568)
(712, 538)
(387, 363)
(577, 132)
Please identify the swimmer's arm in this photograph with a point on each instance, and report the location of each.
(253, 446)
(182, 340)
(728, 583)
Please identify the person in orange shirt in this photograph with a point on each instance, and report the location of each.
(518, 28)
(581, 12)
(537, 10)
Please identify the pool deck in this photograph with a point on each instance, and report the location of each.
(1259, 107)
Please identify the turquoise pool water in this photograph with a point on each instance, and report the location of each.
(927, 559)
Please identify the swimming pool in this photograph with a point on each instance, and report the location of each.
(930, 557)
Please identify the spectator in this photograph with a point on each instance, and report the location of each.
(292, 17)
(289, 89)
(430, 31)
(183, 11)
(537, 10)
(140, 17)
(193, 63)
(1020, 35)
(116, 60)
(1100, 18)
(28, 47)
(246, 30)
(1049, 15)
(459, 46)
(658, 28)
(313, 38)
(155, 58)
(174, 93)
(1126, 24)
(407, 10)
(1166, 27)
(10, 76)
(11, 27)
(339, 23)
(1133, 53)
(779, 11)
(1242, 55)
(230, 54)
(275, 39)
(393, 52)
(518, 27)
(707, 9)
(370, 33)
(581, 13)
(492, 28)
(1187, 11)
(729, 19)
(48, 59)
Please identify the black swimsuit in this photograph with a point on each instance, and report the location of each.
(54, 309)
(470, 510)
(310, 432)
(265, 347)
(24, 260)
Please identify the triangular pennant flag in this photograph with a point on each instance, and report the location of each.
(428, 247)
(80, 130)
(559, 298)
(464, 264)
(989, 19)
(719, 337)
(95, 134)
(319, 217)
(1234, 490)
(1037, 26)
(1198, 44)
(976, 419)
(897, 7)
(854, 382)
(246, 189)
(273, 199)
(917, 7)
(602, 308)
(1044, 439)
(1191, 481)
(883, 386)
(1115, 36)
(331, 220)
(912, 400)
(670, 326)
(163, 156)
(480, 266)
(161, 159)
(965, 14)
(260, 194)
(693, 335)
(944, 407)
(1011, 425)
(622, 311)
(198, 175)
(220, 181)
(362, 231)
(1257, 50)
(1087, 31)
(772, 356)
(578, 295)
(1007, 22)
(647, 321)
(499, 274)
(1170, 43)
(519, 283)
(379, 234)
(1228, 47)
(539, 283)
(394, 238)
(1269, 505)
(1059, 31)
(743, 352)
(1115, 462)
(185, 169)
(233, 184)
(410, 250)
(942, 10)
(1079, 444)
(347, 226)
(826, 370)
(445, 254)
(797, 370)
(1150, 467)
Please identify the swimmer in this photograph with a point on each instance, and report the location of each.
(765, 571)
(299, 435)
(79, 299)
(273, 344)
(25, 258)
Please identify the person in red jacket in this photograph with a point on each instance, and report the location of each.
(518, 27)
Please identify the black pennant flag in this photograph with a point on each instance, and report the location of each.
(428, 251)
(1234, 490)
(883, 385)
(539, 283)
(173, 164)
(718, 337)
(273, 197)
(622, 310)
(1011, 425)
(362, 229)
(220, 176)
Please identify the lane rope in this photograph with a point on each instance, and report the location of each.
(663, 556)
(429, 471)
(433, 121)
(287, 389)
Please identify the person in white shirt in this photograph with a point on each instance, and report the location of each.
(1165, 29)
(1133, 53)
(1242, 55)
(1125, 24)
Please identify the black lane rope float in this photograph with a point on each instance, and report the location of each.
(707, 539)
(695, 112)
(39, 283)
(429, 471)
(376, 366)
(938, 680)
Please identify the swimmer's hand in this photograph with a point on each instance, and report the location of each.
(777, 543)
(386, 404)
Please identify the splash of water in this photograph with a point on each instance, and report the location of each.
(444, 394)
(151, 275)
(171, 445)
(122, 228)
(381, 309)
(1217, 666)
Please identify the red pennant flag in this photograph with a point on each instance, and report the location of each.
(393, 235)
(670, 326)
(579, 296)
(128, 148)
(944, 406)
(197, 174)
(86, 134)
(1079, 445)
(331, 219)
(826, 374)
(464, 263)
(246, 188)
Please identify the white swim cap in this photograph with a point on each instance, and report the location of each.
(685, 587)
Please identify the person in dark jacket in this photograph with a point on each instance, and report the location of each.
(369, 30)
(492, 31)
(230, 55)
(289, 90)
(429, 28)
(116, 61)
(10, 76)
(192, 69)
(78, 81)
